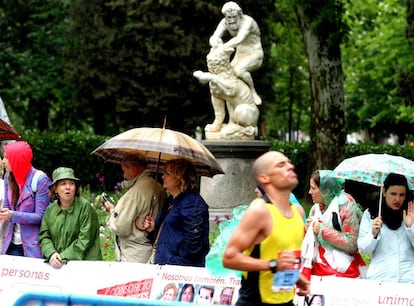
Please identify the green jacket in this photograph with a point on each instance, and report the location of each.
(73, 233)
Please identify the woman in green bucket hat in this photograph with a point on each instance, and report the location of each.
(70, 227)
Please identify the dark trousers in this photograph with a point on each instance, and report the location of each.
(15, 250)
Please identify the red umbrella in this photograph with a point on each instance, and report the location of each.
(7, 132)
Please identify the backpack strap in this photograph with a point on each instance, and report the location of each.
(35, 180)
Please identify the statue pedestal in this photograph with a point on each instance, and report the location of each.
(231, 132)
(236, 187)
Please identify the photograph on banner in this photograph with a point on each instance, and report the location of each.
(186, 293)
(194, 285)
(226, 295)
(205, 294)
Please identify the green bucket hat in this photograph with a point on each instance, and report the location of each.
(63, 173)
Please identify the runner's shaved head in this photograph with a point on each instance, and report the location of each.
(261, 164)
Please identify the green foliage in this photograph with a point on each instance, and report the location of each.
(379, 66)
(112, 64)
(107, 65)
(132, 61)
(73, 149)
(289, 110)
(299, 154)
(325, 20)
(32, 81)
(369, 147)
(107, 238)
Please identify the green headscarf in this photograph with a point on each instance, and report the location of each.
(329, 186)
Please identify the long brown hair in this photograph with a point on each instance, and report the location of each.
(15, 191)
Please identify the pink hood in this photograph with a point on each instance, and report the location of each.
(19, 154)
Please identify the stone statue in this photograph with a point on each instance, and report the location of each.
(227, 89)
(231, 83)
(245, 39)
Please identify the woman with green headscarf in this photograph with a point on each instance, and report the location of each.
(333, 225)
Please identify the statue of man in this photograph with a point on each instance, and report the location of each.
(245, 39)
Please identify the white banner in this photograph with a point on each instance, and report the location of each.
(147, 282)
(338, 291)
(131, 280)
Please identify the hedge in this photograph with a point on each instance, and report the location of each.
(73, 149)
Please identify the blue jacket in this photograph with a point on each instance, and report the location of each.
(184, 224)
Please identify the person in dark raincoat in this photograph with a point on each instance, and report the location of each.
(182, 227)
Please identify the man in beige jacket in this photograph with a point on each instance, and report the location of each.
(132, 243)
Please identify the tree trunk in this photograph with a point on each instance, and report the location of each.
(328, 132)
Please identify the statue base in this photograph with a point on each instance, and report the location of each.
(236, 187)
(233, 132)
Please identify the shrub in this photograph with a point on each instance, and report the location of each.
(73, 149)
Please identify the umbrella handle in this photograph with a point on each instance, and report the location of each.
(138, 225)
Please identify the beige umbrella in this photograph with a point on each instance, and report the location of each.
(159, 145)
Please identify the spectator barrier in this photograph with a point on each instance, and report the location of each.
(141, 284)
(49, 298)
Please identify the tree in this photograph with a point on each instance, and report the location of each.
(132, 61)
(379, 68)
(323, 31)
(111, 64)
(288, 112)
(410, 23)
(32, 81)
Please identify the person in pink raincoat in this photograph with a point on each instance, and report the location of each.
(334, 221)
(23, 206)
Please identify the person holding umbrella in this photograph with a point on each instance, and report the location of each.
(388, 235)
(143, 196)
(159, 145)
(182, 228)
(333, 223)
(70, 226)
